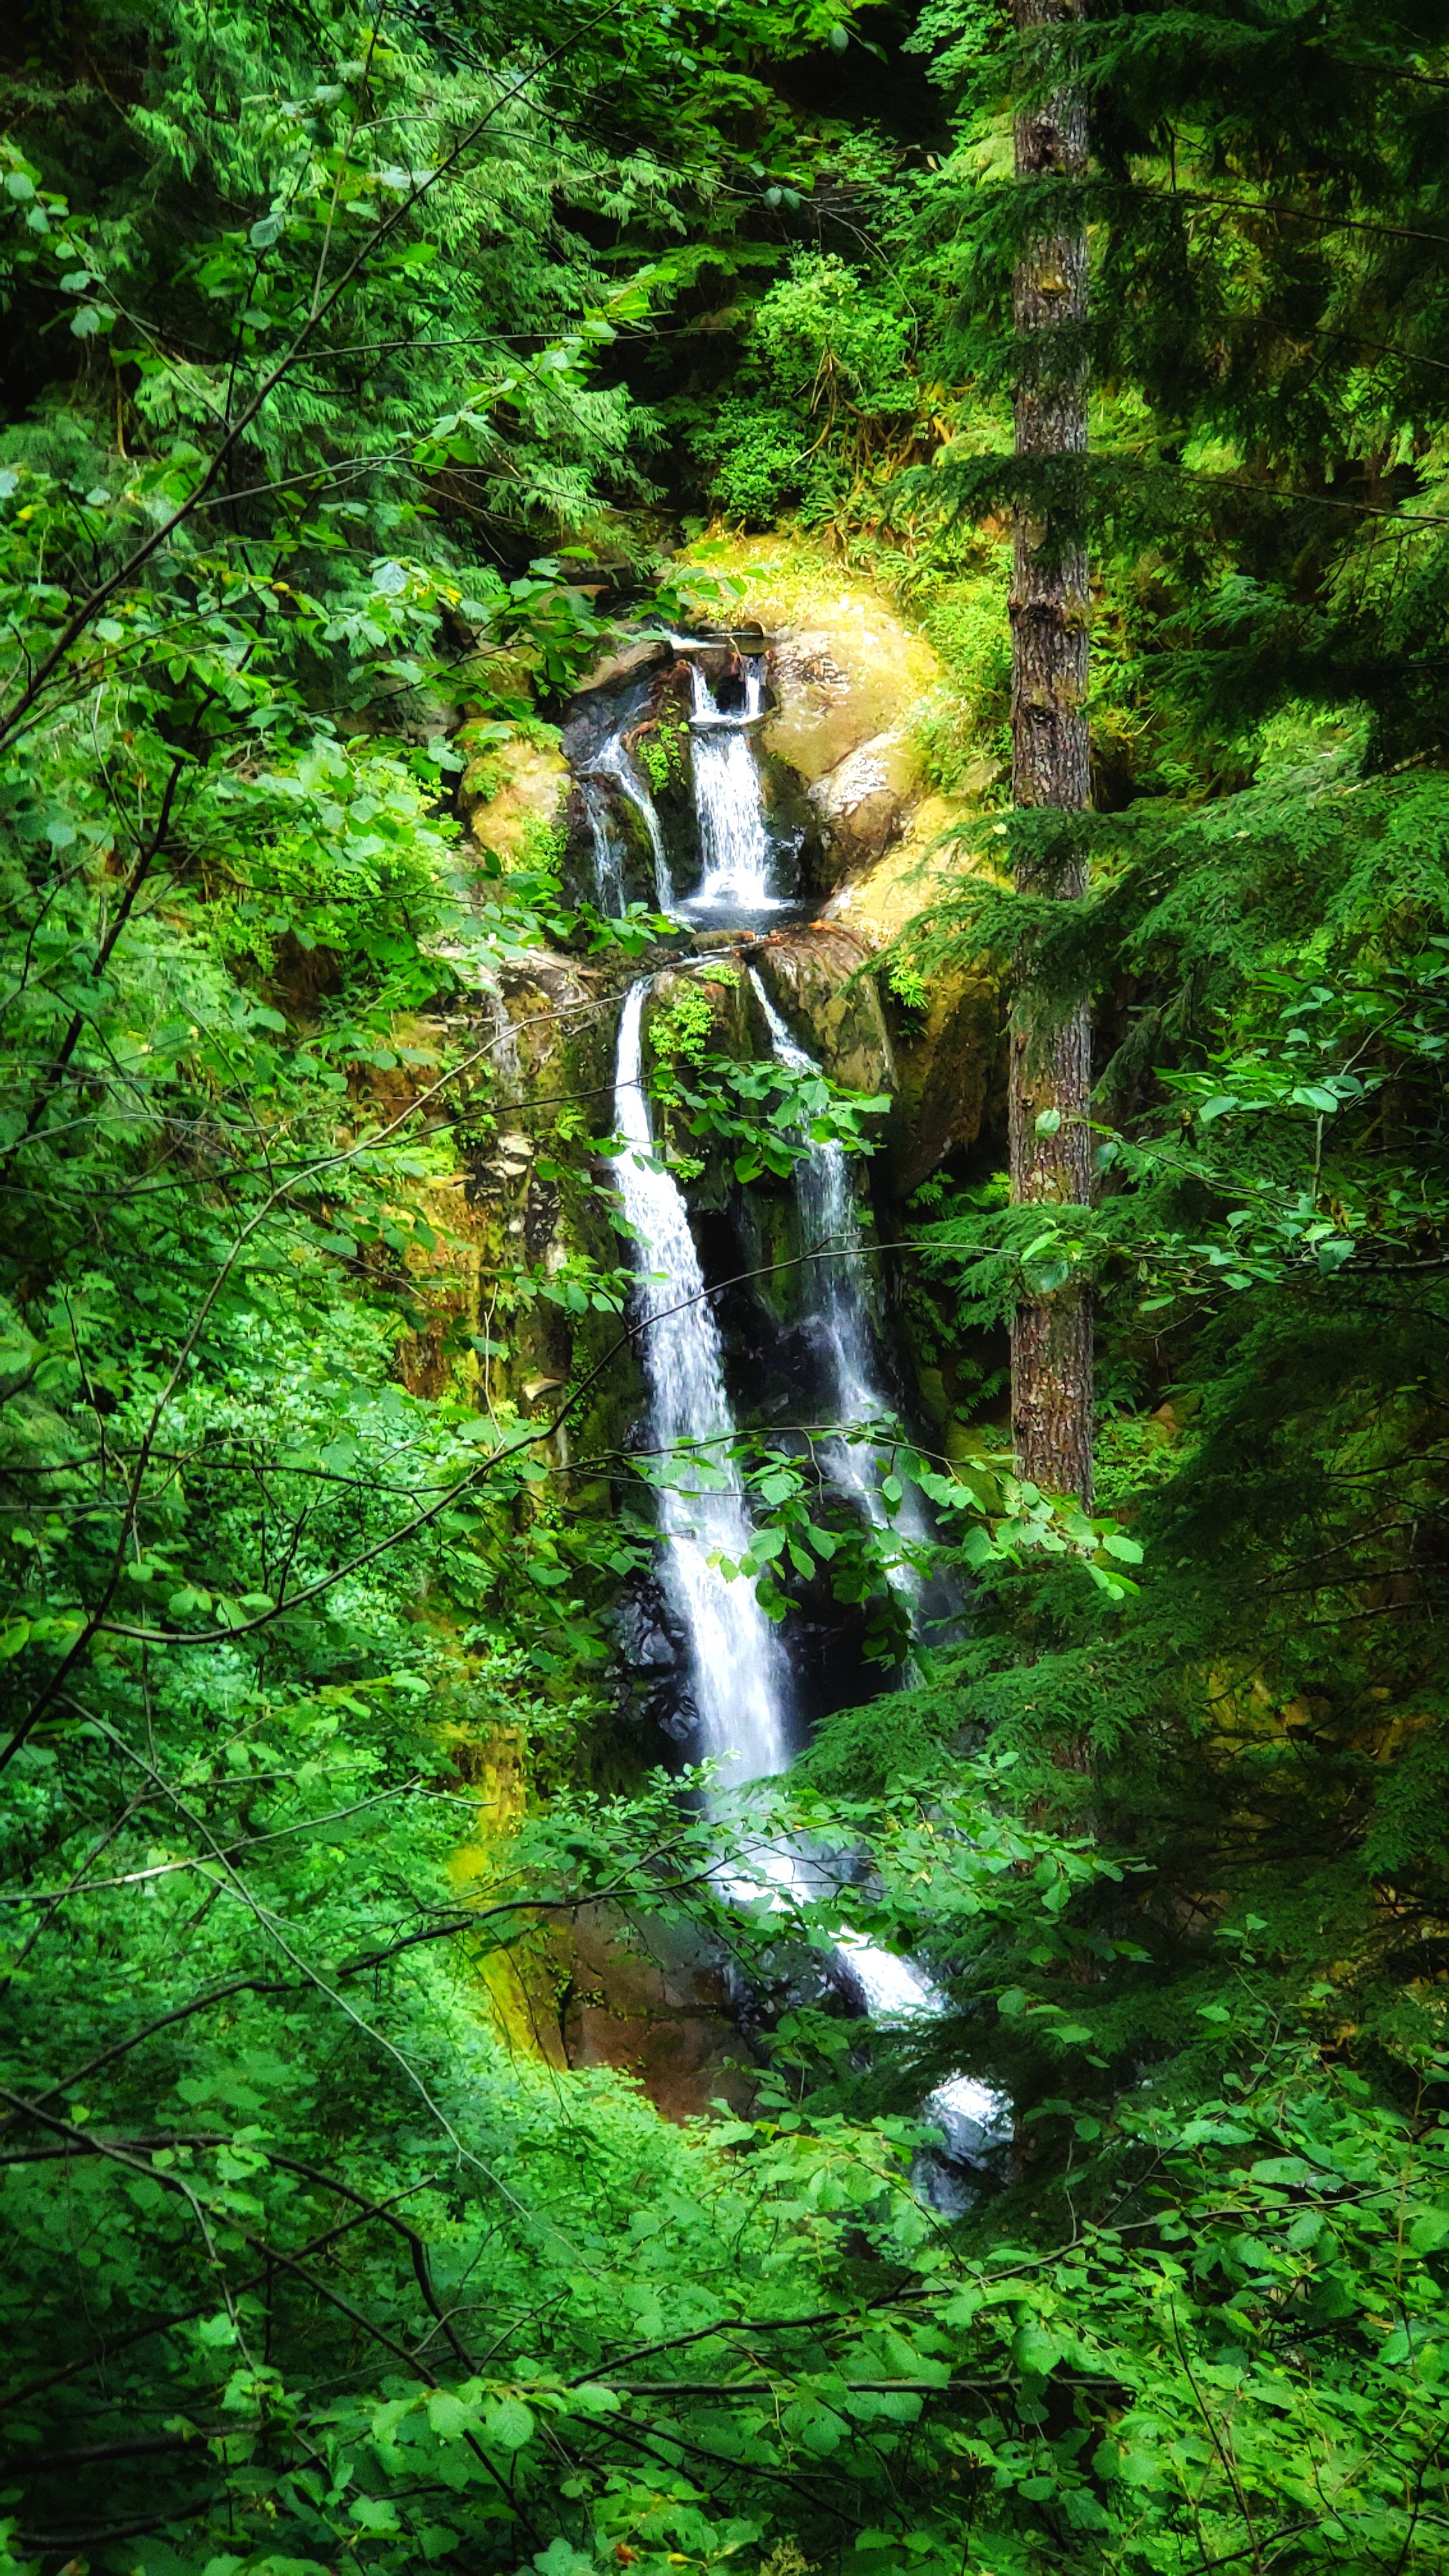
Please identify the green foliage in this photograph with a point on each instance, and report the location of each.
(334, 380)
(1258, 1730)
(826, 387)
(663, 749)
(906, 986)
(765, 1115)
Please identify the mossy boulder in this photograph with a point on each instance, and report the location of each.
(950, 1068)
(513, 792)
(946, 839)
(819, 981)
(949, 1056)
(860, 803)
(839, 685)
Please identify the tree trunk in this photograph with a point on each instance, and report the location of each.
(1051, 1336)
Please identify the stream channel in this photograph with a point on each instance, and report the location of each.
(737, 1683)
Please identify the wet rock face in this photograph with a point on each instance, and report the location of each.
(648, 1999)
(811, 977)
(605, 729)
(547, 1037)
(651, 1662)
(656, 2001)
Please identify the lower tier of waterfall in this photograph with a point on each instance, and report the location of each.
(739, 1676)
(830, 1236)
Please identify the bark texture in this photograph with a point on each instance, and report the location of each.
(1051, 1340)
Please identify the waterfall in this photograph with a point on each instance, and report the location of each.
(841, 1319)
(738, 1673)
(608, 849)
(972, 2116)
(612, 761)
(734, 838)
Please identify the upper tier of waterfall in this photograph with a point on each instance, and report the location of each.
(737, 881)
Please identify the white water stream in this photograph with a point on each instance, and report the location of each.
(611, 761)
(738, 1673)
(734, 838)
(608, 848)
(970, 2113)
(736, 879)
(840, 1321)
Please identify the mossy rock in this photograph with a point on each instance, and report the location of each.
(949, 1058)
(512, 795)
(554, 1024)
(951, 1072)
(844, 665)
(818, 979)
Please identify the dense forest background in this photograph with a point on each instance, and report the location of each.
(364, 369)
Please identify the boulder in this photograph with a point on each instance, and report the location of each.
(860, 802)
(915, 873)
(513, 795)
(839, 683)
(950, 1072)
(811, 977)
(949, 1056)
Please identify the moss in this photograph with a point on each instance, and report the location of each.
(662, 749)
(491, 1765)
(513, 791)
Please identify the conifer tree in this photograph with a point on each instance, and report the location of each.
(1051, 1339)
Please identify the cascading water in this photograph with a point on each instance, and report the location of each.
(970, 2113)
(738, 1673)
(734, 837)
(739, 1677)
(611, 761)
(607, 847)
(830, 1232)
